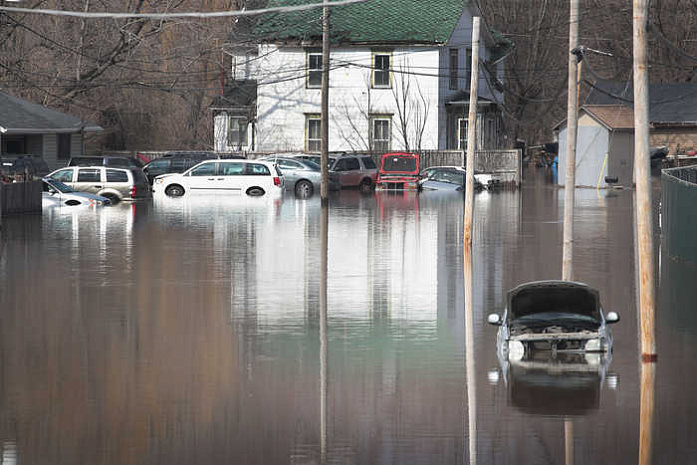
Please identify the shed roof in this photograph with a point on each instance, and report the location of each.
(19, 116)
(374, 21)
(612, 116)
(669, 103)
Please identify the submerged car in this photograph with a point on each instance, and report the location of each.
(116, 184)
(445, 178)
(398, 170)
(56, 194)
(354, 170)
(303, 177)
(235, 176)
(552, 317)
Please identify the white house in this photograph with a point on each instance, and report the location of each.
(399, 80)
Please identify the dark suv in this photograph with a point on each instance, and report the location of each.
(114, 161)
(354, 170)
(176, 163)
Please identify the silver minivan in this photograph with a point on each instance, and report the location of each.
(116, 184)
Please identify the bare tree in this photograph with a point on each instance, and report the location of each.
(412, 106)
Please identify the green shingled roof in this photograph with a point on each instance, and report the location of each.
(374, 21)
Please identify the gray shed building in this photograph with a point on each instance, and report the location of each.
(604, 147)
(30, 129)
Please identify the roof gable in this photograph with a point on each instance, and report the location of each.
(374, 21)
(19, 115)
(611, 116)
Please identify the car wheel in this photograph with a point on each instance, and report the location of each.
(255, 191)
(175, 190)
(366, 186)
(113, 198)
(303, 189)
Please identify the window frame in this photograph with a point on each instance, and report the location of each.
(375, 118)
(453, 77)
(375, 71)
(468, 69)
(462, 141)
(242, 131)
(310, 71)
(311, 118)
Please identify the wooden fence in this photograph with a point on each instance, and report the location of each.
(20, 197)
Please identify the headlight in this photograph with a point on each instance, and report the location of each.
(516, 350)
(159, 181)
(595, 345)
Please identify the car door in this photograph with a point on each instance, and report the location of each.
(232, 174)
(88, 180)
(203, 177)
(348, 171)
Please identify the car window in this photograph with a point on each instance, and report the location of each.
(288, 164)
(257, 169)
(89, 175)
(352, 164)
(312, 165)
(231, 169)
(65, 175)
(180, 164)
(207, 169)
(341, 165)
(158, 165)
(369, 163)
(116, 176)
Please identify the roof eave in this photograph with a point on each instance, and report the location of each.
(15, 131)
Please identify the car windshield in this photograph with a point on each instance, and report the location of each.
(399, 164)
(449, 176)
(59, 186)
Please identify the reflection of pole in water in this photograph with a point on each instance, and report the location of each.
(648, 382)
(324, 242)
(568, 441)
(469, 358)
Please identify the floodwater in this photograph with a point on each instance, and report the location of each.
(190, 330)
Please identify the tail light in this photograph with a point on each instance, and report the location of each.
(133, 191)
(276, 181)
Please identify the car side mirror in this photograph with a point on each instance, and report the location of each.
(612, 317)
(494, 319)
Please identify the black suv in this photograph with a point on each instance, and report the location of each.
(173, 163)
(113, 161)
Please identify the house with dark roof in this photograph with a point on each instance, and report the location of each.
(399, 80)
(30, 129)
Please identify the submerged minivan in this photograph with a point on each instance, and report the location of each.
(251, 177)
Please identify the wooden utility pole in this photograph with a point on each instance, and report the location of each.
(324, 190)
(642, 177)
(472, 135)
(467, 245)
(571, 134)
(323, 343)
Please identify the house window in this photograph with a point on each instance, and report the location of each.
(313, 133)
(63, 147)
(381, 70)
(314, 69)
(453, 68)
(468, 67)
(380, 136)
(14, 145)
(461, 133)
(237, 132)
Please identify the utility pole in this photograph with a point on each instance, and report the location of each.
(572, 130)
(324, 191)
(467, 245)
(642, 176)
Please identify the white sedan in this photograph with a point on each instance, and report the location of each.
(250, 177)
(57, 194)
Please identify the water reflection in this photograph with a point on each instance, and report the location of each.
(191, 332)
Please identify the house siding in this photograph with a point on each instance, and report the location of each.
(75, 146)
(591, 146)
(35, 145)
(50, 151)
(677, 139)
(621, 160)
(284, 99)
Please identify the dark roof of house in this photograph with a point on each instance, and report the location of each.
(21, 116)
(669, 103)
(374, 21)
(612, 116)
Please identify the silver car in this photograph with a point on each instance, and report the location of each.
(304, 177)
(57, 194)
(553, 317)
(116, 184)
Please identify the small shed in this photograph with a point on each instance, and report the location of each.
(30, 129)
(604, 146)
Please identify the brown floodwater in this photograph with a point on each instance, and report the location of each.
(190, 330)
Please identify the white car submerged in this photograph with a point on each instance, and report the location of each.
(251, 177)
(56, 194)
